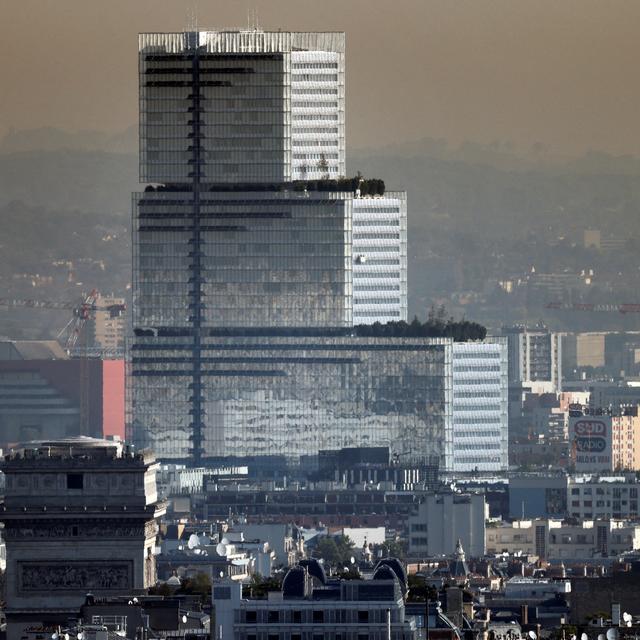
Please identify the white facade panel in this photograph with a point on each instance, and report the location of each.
(480, 399)
(380, 258)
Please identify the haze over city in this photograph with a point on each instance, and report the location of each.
(555, 73)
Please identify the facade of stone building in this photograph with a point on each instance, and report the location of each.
(80, 515)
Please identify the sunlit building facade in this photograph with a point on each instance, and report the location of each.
(380, 258)
(480, 406)
(283, 397)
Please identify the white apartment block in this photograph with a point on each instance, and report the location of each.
(480, 406)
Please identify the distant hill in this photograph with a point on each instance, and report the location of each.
(52, 139)
(477, 215)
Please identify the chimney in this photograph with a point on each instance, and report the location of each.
(524, 615)
(615, 614)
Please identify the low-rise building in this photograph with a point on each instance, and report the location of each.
(312, 606)
(444, 519)
(558, 540)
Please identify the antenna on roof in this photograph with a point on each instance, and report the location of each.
(192, 17)
(252, 19)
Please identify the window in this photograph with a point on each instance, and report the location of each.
(297, 618)
(363, 617)
(273, 616)
(318, 616)
(252, 617)
(75, 481)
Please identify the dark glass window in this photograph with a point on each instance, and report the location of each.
(75, 481)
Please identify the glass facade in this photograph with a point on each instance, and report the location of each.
(241, 107)
(284, 397)
(242, 259)
(226, 247)
(480, 404)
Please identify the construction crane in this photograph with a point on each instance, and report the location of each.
(586, 306)
(68, 337)
(83, 311)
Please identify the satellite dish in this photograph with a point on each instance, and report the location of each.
(193, 542)
(612, 634)
(225, 541)
(627, 617)
(80, 635)
(574, 637)
(532, 635)
(601, 636)
(584, 636)
(54, 636)
(184, 619)
(221, 549)
(352, 560)
(222, 574)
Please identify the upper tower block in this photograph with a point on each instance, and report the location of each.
(221, 107)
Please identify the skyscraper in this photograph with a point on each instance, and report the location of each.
(248, 234)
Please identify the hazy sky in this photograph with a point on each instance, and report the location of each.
(560, 72)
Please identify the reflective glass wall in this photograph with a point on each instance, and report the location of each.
(252, 259)
(271, 396)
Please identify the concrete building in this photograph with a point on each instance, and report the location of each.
(613, 396)
(310, 605)
(605, 441)
(480, 406)
(538, 495)
(80, 516)
(535, 359)
(107, 330)
(247, 237)
(44, 394)
(595, 496)
(279, 536)
(444, 519)
(558, 540)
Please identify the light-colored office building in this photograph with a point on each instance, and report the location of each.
(380, 258)
(480, 406)
(535, 359)
(443, 519)
(558, 540)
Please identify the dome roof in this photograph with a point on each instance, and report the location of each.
(397, 567)
(384, 572)
(315, 569)
(294, 584)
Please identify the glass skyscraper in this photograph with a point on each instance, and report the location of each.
(249, 276)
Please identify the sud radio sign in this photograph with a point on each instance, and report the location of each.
(590, 438)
